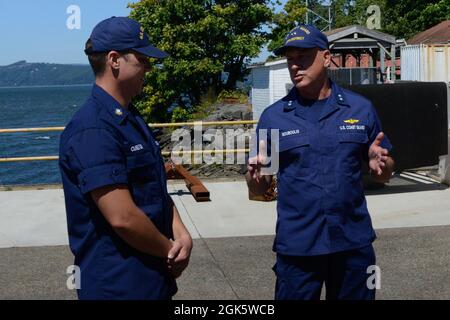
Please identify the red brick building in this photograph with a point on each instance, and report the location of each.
(359, 47)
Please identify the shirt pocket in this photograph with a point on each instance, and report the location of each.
(293, 153)
(144, 180)
(353, 141)
(352, 150)
(141, 167)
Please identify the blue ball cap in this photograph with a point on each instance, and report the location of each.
(304, 36)
(122, 33)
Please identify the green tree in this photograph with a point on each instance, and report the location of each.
(204, 38)
(401, 18)
(350, 12)
(242, 22)
(406, 18)
(294, 13)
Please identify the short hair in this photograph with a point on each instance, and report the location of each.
(97, 60)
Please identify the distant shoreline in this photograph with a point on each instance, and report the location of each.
(48, 86)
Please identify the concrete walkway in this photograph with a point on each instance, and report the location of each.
(232, 256)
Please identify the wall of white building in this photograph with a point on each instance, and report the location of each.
(425, 62)
(271, 82)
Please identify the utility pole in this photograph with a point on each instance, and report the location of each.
(318, 16)
(307, 9)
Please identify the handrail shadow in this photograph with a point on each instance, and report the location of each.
(401, 185)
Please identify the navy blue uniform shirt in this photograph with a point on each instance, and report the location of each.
(321, 205)
(103, 145)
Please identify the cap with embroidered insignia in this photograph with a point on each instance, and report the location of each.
(120, 34)
(303, 37)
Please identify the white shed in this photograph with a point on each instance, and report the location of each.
(270, 82)
(425, 62)
(427, 55)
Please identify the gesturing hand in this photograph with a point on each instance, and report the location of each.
(255, 163)
(378, 155)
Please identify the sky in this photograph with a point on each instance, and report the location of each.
(37, 31)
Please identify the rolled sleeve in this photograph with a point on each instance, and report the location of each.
(98, 159)
(103, 175)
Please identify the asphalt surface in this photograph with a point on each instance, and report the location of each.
(232, 257)
(414, 264)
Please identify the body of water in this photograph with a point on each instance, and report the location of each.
(30, 107)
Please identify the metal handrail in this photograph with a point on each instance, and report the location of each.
(151, 125)
(31, 129)
(206, 123)
(164, 153)
(46, 158)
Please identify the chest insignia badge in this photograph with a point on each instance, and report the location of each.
(351, 121)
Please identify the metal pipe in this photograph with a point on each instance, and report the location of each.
(164, 153)
(31, 129)
(168, 153)
(198, 123)
(45, 158)
(329, 18)
(307, 20)
(393, 63)
(151, 125)
(384, 49)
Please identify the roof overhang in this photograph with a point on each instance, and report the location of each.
(358, 38)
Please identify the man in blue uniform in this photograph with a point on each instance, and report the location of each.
(124, 230)
(327, 134)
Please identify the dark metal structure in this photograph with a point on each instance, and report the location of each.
(357, 40)
(414, 116)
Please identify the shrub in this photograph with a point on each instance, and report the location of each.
(181, 115)
(233, 96)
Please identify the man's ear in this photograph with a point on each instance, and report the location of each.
(112, 59)
(327, 58)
